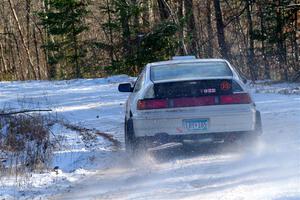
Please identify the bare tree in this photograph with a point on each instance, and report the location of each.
(15, 17)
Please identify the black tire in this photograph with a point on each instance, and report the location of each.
(252, 138)
(258, 124)
(130, 140)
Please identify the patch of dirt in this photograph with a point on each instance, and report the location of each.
(90, 135)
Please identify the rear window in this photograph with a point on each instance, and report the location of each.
(190, 71)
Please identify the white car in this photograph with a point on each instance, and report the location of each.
(189, 100)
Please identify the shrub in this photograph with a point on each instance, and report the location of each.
(25, 141)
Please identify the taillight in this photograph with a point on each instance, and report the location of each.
(241, 98)
(152, 104)
(147, 104)
(194, 101)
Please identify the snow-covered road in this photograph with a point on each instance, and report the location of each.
(271, 171)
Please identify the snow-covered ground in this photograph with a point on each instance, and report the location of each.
(93, 104)
(268, 86)
(97, 168)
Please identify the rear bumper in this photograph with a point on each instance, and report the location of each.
(229, 119)
(197, 138)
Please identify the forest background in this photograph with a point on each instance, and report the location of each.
(65, 39)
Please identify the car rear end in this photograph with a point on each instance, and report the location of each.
(213, 107)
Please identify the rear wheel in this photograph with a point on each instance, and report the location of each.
(130, 140)
(248, 139)
(252, 138)
(258, 124)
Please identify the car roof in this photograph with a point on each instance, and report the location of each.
(191, 60)
(182, 61)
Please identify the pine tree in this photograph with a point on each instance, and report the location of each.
(64, 22)
(140, 43)
(276, 18)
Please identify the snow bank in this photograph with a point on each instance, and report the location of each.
(265, 87)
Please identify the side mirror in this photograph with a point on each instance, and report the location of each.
(125, 87)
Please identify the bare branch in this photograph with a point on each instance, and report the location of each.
(24, 111)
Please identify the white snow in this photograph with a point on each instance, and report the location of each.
(268, 86)
(99, 170)
(88, 103)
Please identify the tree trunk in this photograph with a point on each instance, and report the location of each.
(267, 73)
(181, 33)
(296, 43)
(15, 17)
(209, 29)
(146, 13)
(250, 54)
(27, 7)
(191, 27)
(281, 50)
(50, 70)
(76, 54)
(22, 71)
(224, 50)
(5, 68)
(164, 11)
(28, 10)
(111, 51)
(126, 34)
(37, 53)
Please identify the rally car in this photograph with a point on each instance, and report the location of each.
(189, 100)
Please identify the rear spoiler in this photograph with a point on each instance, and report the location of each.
(193, 79)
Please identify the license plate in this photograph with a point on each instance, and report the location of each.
(195, 124)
